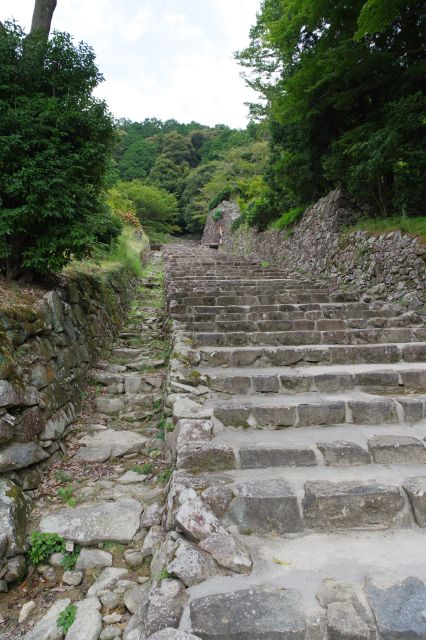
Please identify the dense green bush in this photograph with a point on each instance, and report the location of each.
(55, 142)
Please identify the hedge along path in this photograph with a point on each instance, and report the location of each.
(105, 498)
(299, 441)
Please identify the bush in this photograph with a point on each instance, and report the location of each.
(288, 219)
(56, 139)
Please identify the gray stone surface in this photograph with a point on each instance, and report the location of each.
(344, 623)
(205, 456)
(192, 565)
(399, 608)
(136, 599)
(14, 511)
(47, 628)
(264, 507)
(166, 606)
(20, 455)
(343, 454)
(173, 634)
(351, 504)
(416, 490)
(397, 450)
(228, 552)
(90, 558)
(88, 621)
(107, 580)
(117, 521)
(256, 614)
(259, 457)
(100, 446)
(72, 578)
(197, 521)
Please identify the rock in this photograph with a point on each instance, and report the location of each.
(205, 456)
(15, 569)
(399, 608)
(344, 623)
(100, 446)
(152, 516)
(132, 477)
(329, 505)
(3, 586)
(197, 521)
(110, 633)
(26, 611)
(56, 425)
(187, 431)
(11, 397)
(110, 406)
(397, 450)
(111, 600)
(20, 455)
(73, 578)
(136, 599)
(255, 614)
(47, 628)
(106, 521)
(7, 429)
(49, 574)
(262, 507)
(192, 565)
(218, 498)
(186, 408)
(333, 591)
(153, 541)
(135, 630)
(133, 558)
(88, 621)
(90, 558)
(166, 606)
(112, 618)
(343, 454)
(228, 552)
(173, 634)
(56, 559)
(107, 580)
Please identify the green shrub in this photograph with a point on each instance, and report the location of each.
(67, 617)
(217, 215)
(42, 545)
(225, 194)
(288, 219)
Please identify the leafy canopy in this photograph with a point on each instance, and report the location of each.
(55, 143)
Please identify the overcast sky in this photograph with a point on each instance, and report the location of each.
(161, 58)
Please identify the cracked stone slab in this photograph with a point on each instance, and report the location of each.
(102, 445)
(399, 608)
(254, 614)
(90, 524)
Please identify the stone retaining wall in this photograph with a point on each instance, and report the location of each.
(390, 266)
(46, 353)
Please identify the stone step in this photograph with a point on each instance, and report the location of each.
(341, 585)
(258, 322)
(308, 311)
(288, 500)
(309, 409)
(291, 337)
(401, 377)
(257, 289)
(319, 354)
(278, 298)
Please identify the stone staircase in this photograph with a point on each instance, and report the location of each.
(299, 440)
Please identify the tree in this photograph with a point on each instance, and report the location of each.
(332, 77)
(56, 141)
(42, 16)
(156, 209)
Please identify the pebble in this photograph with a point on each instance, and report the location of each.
(111, 600)
(72, 578)
(110, 633)
(26, 611)
(112, 618)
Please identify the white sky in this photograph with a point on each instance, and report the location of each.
(161, 58)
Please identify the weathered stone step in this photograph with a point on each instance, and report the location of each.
(258, 322)
(319, 354)
(291, 337)
(295, 499)
(243, 289)
(397, 376)
(278, 298)
(361, 584)
(308, 311)
(308, 409)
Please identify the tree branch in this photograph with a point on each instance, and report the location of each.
(42, 16)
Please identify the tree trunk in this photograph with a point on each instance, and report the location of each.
(42, 16)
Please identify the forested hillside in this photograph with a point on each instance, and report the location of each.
(341, 89)
(170, 174)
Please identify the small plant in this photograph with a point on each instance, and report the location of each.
(42, 545)
(67, 617)
(217, 215)
(165, 575)
(143, 468)
(265, 263)
(67, 495)
(165, 475)
(70, 559)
